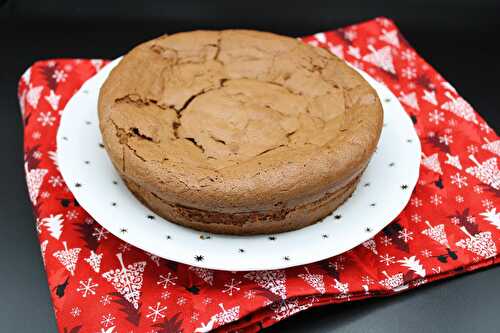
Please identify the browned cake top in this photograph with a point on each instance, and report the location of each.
(237, 115)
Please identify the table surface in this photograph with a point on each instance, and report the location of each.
(463, 304)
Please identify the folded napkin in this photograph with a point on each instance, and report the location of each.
(99, 283)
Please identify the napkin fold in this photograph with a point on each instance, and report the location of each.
(99, 283)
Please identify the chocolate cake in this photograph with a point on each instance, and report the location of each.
(237, 131)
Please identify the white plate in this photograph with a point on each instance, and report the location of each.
(383, 192)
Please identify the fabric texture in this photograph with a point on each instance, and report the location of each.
(99, 283)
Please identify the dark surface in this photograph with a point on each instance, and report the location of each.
(456, 37)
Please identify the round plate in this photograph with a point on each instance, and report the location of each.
(382, 193)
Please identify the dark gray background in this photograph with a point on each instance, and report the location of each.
(456, 37)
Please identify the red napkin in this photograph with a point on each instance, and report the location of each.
(99, 283)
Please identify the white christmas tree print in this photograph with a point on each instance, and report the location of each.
(343, 288)
(68, 257)
(205, 274)
(480, 243)
(390, 37)
(274, 281)
(43, 248)
(459, 107)
(413, 264)
(204, 328)
(393, 282)
(381, 58)
(486, 172)
(431, 162)
(94, 260)
(430, 96)
(33, 95)
(436, 233)
(371, 245)
(127, 280)
(492, 216)
(54, 223)
(53, 100)
(97, 63)
(227, 316)
(493, 146)
(320, 36)
(34, 179)
(314, 280)
(53, 158)
(27, 76)
(287, 307)
(410, 99)
(338, 50)
(453, 161)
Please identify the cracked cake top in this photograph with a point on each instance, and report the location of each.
(239, 116)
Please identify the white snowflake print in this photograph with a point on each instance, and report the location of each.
(45, 195)
(181, 300)
(453, 161)
(156, 312)
(472, 149)
(436, 117)
(487, 204)
(386, 241)
(446, 139)
(459, 199)
(105, 300)
(36, 135)
(46, 119)
(408, 55)
(75, 312)
(250, 294)
(37, 155)
(88, 220)
(416, 202)
(409, 73)
(387, 259)
(100, 233)
(87, 287)
(426, 253)
(194, 317)
(455, 220)
(336, 265)
(165, 280)
(354, 51)
(367, 280)
(458, 180)
(55, 181)
(108, 320)
(124, 247)
(231, 287)
(471, 219)
(59, 75)
(415, 218)
(405, 235)
(485, 128)
(436, 200)
(72, 214)
(350, 34)
(206, 301)
(165, 295)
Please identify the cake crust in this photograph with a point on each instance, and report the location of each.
(238, 131)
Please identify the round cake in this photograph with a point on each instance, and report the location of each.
(237, 131)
